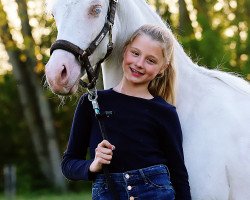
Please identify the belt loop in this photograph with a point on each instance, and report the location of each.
(143, 176)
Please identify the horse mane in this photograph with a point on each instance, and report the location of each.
(231, 79)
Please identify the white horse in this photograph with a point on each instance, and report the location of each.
(213, 106)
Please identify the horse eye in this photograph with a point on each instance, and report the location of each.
(95, 10)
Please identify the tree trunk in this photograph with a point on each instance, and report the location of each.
(185, 26)
(203, 18)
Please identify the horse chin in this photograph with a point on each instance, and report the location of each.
(64, 91)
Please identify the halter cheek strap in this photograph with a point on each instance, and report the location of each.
(83, 55)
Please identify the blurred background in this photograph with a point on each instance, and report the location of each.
(35, 124)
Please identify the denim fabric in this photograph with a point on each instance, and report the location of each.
(151, 183)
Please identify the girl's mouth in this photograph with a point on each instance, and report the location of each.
(135, 72)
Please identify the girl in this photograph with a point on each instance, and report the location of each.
(144, 149)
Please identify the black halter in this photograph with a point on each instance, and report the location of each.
(83, 55)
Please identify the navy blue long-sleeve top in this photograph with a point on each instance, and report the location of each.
(144, 132)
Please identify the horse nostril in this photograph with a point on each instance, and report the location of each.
(64, 72)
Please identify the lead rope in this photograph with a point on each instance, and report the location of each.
(92, 96)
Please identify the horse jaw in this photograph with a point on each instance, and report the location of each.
(63, 73)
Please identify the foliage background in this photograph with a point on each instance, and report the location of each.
(215, 33)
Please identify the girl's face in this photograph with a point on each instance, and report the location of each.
(143, 60)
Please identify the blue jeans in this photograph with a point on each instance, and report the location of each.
(151, 183)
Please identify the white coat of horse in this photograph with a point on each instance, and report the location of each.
(213, 106)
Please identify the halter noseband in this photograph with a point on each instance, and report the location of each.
(83, 55)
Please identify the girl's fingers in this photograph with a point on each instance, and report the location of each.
(104, 150)
(103, 156)
(106, 144)
(103, 161)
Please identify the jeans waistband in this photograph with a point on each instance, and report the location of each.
(136, 174)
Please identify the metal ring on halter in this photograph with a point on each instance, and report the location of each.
(92, 94)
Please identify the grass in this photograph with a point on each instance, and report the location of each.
(86, 195)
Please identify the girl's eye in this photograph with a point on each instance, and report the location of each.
(135, 53)
(95, 10)
(151, 61)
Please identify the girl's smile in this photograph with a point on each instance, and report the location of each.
(135, 72)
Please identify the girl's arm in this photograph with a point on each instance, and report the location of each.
(174, 152)
(74, 164)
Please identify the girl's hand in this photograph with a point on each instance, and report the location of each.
(103, 155)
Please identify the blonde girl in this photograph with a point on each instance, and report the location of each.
(144, 151)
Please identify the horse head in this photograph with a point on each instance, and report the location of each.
(79, 23)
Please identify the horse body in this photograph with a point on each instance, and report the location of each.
(214, 112)
(213, 106)
(214, 109)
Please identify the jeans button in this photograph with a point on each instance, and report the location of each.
(129, 187)
(126, 176)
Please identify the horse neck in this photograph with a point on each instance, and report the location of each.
(189, 78)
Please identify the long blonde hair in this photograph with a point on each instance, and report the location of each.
(164, 84)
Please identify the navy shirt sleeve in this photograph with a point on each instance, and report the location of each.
(174, 151)
(74, 164)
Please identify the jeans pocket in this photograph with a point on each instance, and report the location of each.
(159, 181)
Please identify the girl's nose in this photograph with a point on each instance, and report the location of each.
(140, 62)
